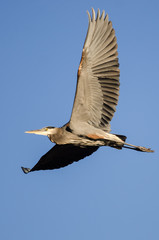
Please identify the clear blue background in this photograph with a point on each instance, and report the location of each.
(112, 194)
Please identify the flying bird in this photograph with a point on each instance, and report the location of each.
(97, 93)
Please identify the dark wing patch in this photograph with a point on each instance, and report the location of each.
(61, 156)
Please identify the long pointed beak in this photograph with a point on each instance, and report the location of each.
(38, 131)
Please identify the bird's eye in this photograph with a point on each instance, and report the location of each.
(46, 129)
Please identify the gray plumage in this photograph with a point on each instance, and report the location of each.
(95, 102)
(99, 74)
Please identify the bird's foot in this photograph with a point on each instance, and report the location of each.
(143, 149)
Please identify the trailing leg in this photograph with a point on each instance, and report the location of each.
(137, 148)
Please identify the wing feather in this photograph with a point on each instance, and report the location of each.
(60, 156)
(97, 88)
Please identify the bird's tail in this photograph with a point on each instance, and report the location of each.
(122, 137)
(118, 145)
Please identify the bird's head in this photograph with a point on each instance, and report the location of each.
(46, 131)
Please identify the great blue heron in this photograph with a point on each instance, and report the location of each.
(95, 102)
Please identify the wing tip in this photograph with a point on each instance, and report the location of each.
(25, 170)
(100, 15)
(93, 15)
(91, 19)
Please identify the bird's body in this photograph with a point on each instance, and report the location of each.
(96, 137)
(95, 102)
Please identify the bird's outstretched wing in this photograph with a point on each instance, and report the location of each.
(61, 156)
(98, 76)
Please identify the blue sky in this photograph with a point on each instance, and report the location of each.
(112, 194)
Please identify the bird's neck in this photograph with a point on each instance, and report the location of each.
(55, 135)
